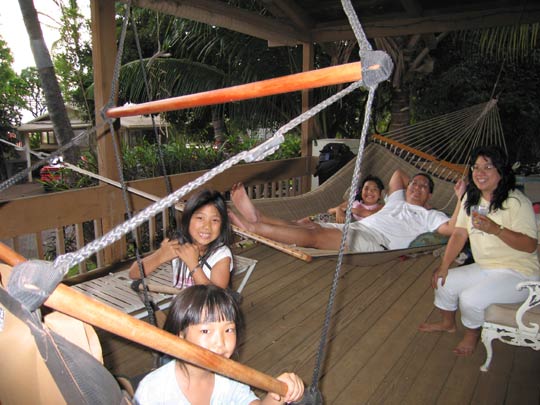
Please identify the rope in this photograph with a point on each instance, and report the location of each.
(257, 153)
(115, 141)
(447, 138)
(157, 134)
(365, 47)
(348, 216)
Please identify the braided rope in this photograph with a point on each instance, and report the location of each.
(348, 219)
(258, 153)
(372, 83)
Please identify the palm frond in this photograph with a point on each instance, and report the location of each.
(514, 43)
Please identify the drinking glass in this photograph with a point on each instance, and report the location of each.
(480, 210)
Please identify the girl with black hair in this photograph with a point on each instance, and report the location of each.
(499, 221)
(207, 316)
(202, 245)
(367, 201)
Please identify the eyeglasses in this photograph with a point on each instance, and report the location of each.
(423, 186)
(484, 168)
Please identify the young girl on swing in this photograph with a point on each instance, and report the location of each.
(202, 245)
(207, 316)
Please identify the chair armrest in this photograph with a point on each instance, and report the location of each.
(532, 300)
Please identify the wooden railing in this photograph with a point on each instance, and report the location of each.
(48, 225)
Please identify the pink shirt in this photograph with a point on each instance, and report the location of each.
(360, 204)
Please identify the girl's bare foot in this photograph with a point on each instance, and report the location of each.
(437, 327)
(468, 343)
(243, 204)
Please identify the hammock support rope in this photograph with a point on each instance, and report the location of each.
(433, 145)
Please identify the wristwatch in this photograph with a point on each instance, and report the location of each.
(501, 228)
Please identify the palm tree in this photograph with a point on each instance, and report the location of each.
(188, 57)
(51, 89)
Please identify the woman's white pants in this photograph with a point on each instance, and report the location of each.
(473, 289)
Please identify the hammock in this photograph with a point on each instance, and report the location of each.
(439, 146)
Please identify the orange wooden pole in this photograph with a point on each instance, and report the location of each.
(77, 305)
(346, 73)
(460, 169)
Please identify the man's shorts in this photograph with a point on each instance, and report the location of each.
(361, 238)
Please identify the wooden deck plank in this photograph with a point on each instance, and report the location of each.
(493, 385)
(521, 389)
(369, 360)
(375, 355)
(289, 330)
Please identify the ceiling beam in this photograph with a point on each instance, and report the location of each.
(221, 14)
(290, 10)
(402, 25)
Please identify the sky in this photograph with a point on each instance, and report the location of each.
(13, 31)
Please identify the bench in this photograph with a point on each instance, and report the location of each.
(115, 289)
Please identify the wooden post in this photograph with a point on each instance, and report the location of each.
(307, 126)
(103, 58)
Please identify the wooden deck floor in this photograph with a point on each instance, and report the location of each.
(375, 355)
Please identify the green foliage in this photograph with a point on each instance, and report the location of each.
(512, 43)
(12, 92)
(72, 57)
(184, 57)
(291, 147)
(142, 161)
(35, 98)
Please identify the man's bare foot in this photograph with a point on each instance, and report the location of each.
(239, 222)
(437, 327)
(468, 343)
(243, 204)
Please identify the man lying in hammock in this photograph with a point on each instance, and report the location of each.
(395, 226)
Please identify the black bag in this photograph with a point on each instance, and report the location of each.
(332, 157)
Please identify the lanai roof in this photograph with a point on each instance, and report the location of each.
(289, 22)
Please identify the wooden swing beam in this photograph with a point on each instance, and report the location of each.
(460, 169)
(77, 305)
(350, 72)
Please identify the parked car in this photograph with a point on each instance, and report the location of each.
(51, 174)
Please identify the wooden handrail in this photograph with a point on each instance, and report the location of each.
(77, 305)
(349, 72)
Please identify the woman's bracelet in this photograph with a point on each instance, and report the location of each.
(194, 270)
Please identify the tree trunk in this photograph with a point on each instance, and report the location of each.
(47, 76)
(400, 109)
(218, 125)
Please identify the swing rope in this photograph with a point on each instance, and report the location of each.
(157, 134)
(376, 67)
(313, 394)
(117, 153)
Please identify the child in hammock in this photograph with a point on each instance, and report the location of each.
(207, 316)
(367, 201)
(202, 245)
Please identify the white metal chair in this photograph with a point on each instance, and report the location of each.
(514, 324)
